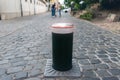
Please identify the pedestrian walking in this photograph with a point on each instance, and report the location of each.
(59, 9)
(53, 10)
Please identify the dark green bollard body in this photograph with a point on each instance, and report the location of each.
(62, 45)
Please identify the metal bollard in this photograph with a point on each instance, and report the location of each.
(62, 45)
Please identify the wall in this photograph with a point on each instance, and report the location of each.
(25, 8)
(9, 9)
(40, 7)
(12, 8)
(31, 4)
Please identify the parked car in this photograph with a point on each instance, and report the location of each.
(66, 10)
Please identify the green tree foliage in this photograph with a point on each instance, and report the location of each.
(105, 4)
(87, 16)
(77, 4)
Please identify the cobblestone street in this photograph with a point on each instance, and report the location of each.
(24, 51)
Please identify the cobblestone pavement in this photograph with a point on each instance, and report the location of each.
(24, 52)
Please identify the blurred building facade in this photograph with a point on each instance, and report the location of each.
(17, 8)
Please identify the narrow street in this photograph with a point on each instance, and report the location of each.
(25, 45)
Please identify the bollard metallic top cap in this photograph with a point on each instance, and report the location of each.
(62, 25)
(62, 28)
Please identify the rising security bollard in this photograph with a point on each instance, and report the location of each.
(62, 44)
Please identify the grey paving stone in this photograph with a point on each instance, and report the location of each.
(16, 60)
(95, 61)
(106, 60)
(88, 67)
(20, 63)
(14, 69)
(114, 71)
(91, 56)
(10, 57)
(102, 56)
(114, 65)
(112, 50)
(103, 73)
(69, 79)
(113, 55)
(90, 78)
(2, 71)
(34, 54)
(115, 59)
(118, 58)
(21, 75)
(28, 67)
(3, 62)
(33, 79)
(21, 55)
(110, 78)
(84, 62)
(91, 49)
(31, 62)
(5, 65)
(33, 73)
(89, 73)
(101, 66)
(81, 56)
(119, 77)
(0, 58)
(8, 53)
(28, 58)
(39, 66)
(6, 77)
(101, 52)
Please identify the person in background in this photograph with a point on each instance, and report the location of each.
(53, 10)
(59, 9)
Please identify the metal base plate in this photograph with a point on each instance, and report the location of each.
(73, 73)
